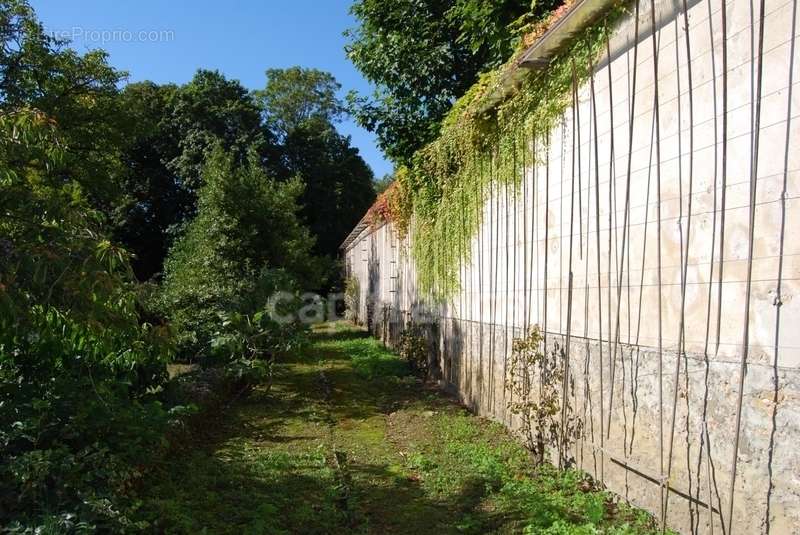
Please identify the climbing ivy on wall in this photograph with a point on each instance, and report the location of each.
(439, 200)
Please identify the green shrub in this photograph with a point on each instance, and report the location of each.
(547, 423)
(78, 369)
(248, 346)
(245, 244)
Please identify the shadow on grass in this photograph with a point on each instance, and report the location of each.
(244, 473)
(339, 335)
(266, 464)
(347, 441)
(365, 381)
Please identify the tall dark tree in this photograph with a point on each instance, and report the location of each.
(302, 107)
(338, 183)
(155, 199)
(213, 110)
(172, 129)
(424, 54)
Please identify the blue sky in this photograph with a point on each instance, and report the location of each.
(239, 38)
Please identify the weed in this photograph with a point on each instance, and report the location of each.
(537, 382)
(413, 348)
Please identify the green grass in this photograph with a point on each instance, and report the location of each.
(346, 441)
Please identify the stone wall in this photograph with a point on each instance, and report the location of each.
(652, 296)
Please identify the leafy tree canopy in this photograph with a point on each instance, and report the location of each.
(296, 97)
(289, 126)
(173, 128)
(302, 106)
(424, 54)
(155, 199)
(246, 229)
(77, 91)
(213, 110)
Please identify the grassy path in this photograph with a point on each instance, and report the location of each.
(346, 441)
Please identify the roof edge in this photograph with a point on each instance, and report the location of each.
(363, 224)
(539, 54)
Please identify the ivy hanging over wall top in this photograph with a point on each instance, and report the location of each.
(439, 199)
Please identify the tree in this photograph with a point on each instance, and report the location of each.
(298, 97)
(302, 106)
(245, 243)
(78, 367)
(155, 200)
(213, 110)
(424, 54)
(79, 92)
(117, 143)
(338, 184)
(172, 130)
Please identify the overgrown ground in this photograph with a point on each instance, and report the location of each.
(347, 441)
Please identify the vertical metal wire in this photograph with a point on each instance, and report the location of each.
(704, 433)
(493, 351)
(534, 232)
(587, 396)
(474, 267)
(462, 268)
(634, 376)
(546, 246)
(525, 308)
(576, 132)
(492, 289)
(565, 383)
(597, 246)
(625, 216)
(481, 255)
(621, 260)
(748, 287)
(524, 186)
(724, 190)
(779, 287)
(562, 161)
(656, 111)
(611, 172)
(534, 276)
(506, 231)
(566, 354)
(685, 259)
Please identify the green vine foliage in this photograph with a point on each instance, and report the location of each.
(440, 199)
